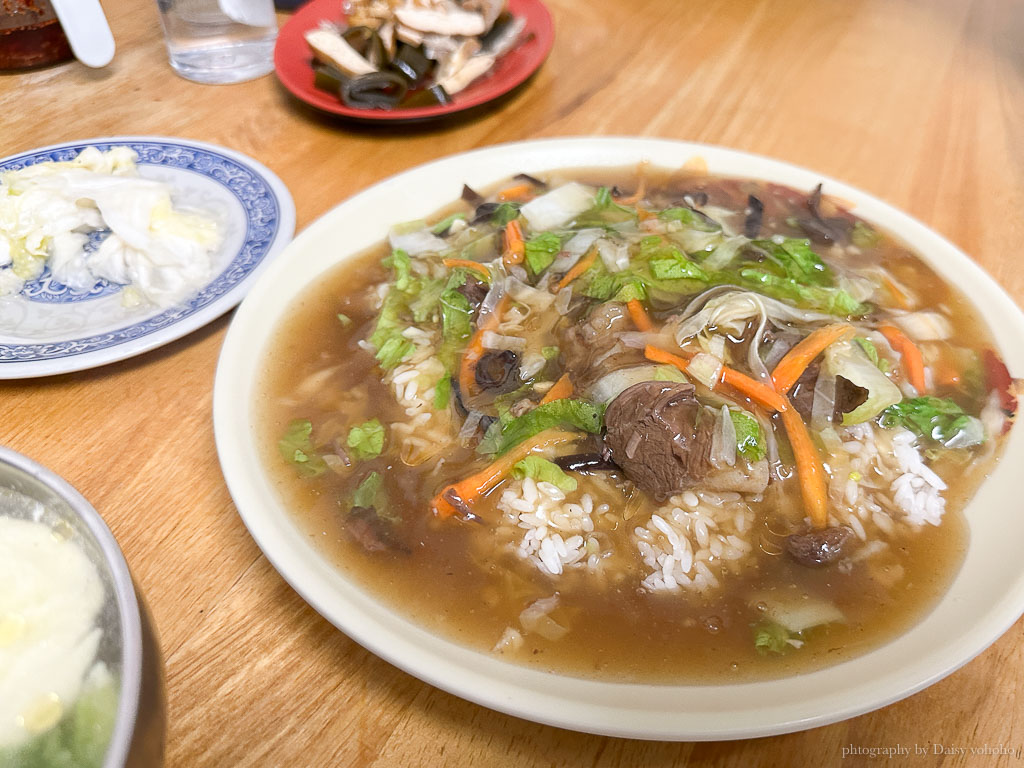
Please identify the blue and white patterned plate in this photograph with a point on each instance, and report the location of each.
(49, 329)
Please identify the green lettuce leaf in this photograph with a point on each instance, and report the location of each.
(689, 218)
(568, 412)
(834, 301)
(749, 440)
(400, 262)
(392, 347)
(541, 251)
(797, 260)
(366, 493)
(442, 393)
(456, 326)
(864, 236)
(296, 447)
(872, 352)
(446, 222)
(770, 637)
(366, 441)
(938, 419)
(676, 267)
(631, 289)
(504, 213)
(546, 471)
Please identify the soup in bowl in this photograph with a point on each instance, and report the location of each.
(627, 427)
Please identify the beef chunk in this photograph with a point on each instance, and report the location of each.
(590, 348)
(818, 547)
(366, 528)
(660, 436)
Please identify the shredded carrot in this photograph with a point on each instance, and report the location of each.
(760, 393)
(637, 196)
(581, 266)
(467, 264)
(898, 294)
(559, 391)
(518, 192)
(475, 348)
(639, 315)
(515, 248)
(467, 491)
(913, 362)
(808, 467)
(642, 214)
(795, 362)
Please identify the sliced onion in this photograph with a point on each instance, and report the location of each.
(731, 311)
(705, 368)
(844, 358)
(558, 207)
(518, 272)
(417, 241)
(492, 340)
(860, 288)
(715, 345)
(563, 263)
(614, 255)
(695, 240)
(469, 427)
(563, 300)
(778, 350)
(697, 303)
(521, 292)
(972, 433)
(925, 326)
(511, 638)
(580, 243)
(494, 295)
(724, 253)
(823, 405)
(772, 445)
(611, 385)
(531, 364)
(535, 619)
(640, 339)
(723, 440)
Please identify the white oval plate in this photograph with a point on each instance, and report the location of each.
(48, 329)
(985, 599)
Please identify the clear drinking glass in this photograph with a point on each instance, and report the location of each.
(219, 41)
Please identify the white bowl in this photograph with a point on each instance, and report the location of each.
(986, 597)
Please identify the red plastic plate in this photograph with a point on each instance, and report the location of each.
(293, 62)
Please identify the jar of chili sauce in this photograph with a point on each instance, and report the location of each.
(30, 35)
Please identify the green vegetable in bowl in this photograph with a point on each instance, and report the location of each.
(366, 440)
(543, 470)
(296, 447)
(937, 419)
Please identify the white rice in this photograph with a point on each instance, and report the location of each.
(559, 532)
(694, 540)
(425, 432)
(882, 480)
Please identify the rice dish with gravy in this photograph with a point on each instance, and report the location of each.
(641, 425)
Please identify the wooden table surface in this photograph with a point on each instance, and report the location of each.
(920, 102)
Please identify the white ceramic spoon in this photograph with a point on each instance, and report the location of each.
(87, 30)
